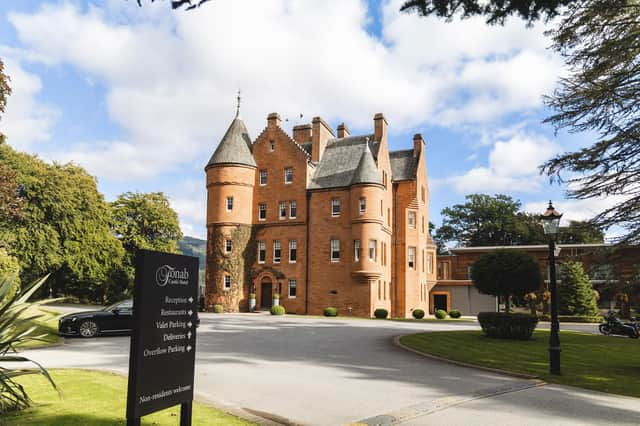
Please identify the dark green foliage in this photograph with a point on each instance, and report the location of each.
(575, 292)
(381, 313)
(218, 309)
(330, 312)
(278, 310)
(572, 318)
(441, 314)
(276, 296)
(485, 220)
(418, 313)
(600, 95)
(507, 326)
(496, 11)
(506, 272)
(5, 90)
(454, 313)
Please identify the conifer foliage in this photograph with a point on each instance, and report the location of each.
(575, 291)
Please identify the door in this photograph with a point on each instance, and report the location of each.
(266, 294)
(440, 302)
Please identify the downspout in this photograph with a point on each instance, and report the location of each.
(395, 249)
(306, 260)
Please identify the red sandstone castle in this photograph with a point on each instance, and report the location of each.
(319, 219)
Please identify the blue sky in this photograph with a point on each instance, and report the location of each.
(141, 96)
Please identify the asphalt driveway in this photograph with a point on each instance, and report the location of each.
(338, 371)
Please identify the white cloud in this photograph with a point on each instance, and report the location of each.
(512, 167)
(27, 120)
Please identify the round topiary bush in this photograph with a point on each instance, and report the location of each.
(507, 326)
(278, 310)
(418, 313)
(252, 295)
(380, 313)
(441, 314)
(218, 309)
(330, 312)
(276, 296)
(454, 313)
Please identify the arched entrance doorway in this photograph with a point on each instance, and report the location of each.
(266, 293)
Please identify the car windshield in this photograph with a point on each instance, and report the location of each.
(126, 304)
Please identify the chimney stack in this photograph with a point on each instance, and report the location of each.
(320, 134)
(273, 120)
(302, 133)
(418, 144)
(343, 131)
(380, 127)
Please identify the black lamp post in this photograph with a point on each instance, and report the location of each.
(551, 225)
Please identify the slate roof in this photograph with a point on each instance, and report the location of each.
(403, 165)
(235, 146)
(340, 162)
(367, 171)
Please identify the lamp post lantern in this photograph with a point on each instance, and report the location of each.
(551, 226)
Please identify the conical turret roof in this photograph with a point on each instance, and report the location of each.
(366, 172)
(235, 146)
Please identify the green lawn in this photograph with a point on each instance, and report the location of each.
(607, 364)
(92, 398)
(47, 326)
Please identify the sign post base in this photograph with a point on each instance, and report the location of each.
(185, 414)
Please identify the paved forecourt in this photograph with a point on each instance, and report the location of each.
(336, 371)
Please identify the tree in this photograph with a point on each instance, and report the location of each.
(177, 4)
(441, 247)
(5, 90)
(145, 221)
(601, 94)
(64, 228)
(496, 11)
(505, 273)
(575, 293)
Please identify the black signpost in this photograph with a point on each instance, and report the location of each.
(163, 343)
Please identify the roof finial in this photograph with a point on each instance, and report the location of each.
(238, 105)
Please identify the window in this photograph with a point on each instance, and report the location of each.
(276, 251)
(262, 252)
(293, 209)
(423, 224)
(412, 257)
(422, 193)
(229, 204)
(263, 177)
(388, 217)
(288, 175)
(228, 246)
(335, 250)
(422, 260)
(383, 253)
(335, 207)
(412, 219)
(363, 205)
(292, 289)
(372, 250)
(293, 251)
(356, 250)
(227, 282)
(272, 146)
(469, 272)
(430, 263)
(262, 211)
(283, 210)
(381, 209)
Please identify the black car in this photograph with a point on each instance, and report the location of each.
(117, 318)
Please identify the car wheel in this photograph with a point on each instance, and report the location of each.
(88, 328)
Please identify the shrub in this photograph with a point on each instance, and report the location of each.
(454, 313)
(276, 296)
(507, 326)
(572, 318)
(218, 309)
(380, 313)
(441, 314)
(418, 313)
(278, 310)
(252, 295)
(330, 312)
(575, 292)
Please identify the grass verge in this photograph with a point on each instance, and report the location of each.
(607, 364)
(91, 398)
(47, 326)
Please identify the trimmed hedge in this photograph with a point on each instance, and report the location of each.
(454, 313)
(218, 309)
(572, 318)
(381, 313)
(330, 311)
(441, 314)
(278, 310)
(507, 326)
(418, 313)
